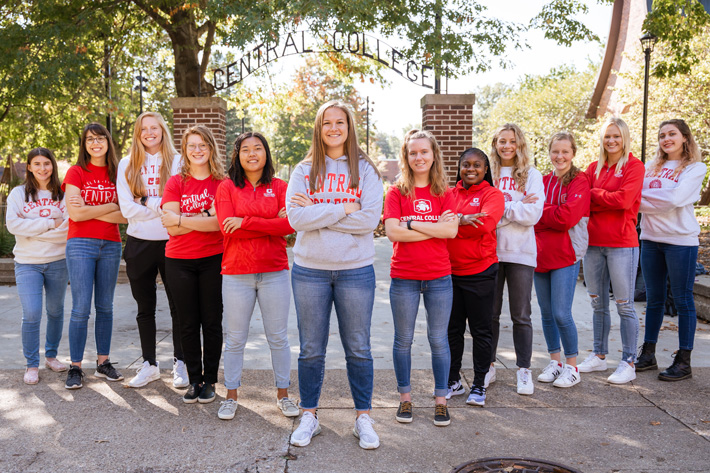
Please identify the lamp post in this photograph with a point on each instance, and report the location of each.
(647, 42)
(140, 87)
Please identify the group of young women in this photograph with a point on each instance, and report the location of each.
(218, 241)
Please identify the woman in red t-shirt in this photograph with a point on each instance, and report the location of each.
(474, 267)
(419, 216)
(251, 210)
(193, 258)
(93, 249)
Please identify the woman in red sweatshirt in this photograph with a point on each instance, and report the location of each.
(251, 210)
(474, 267)
(615, 181)
(562, 240)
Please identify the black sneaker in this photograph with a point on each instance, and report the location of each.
(193, 392)
(106, 370)
(74, 378)
(206, 393)
(441, 415)
(404, 413)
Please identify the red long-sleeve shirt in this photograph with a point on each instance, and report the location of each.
(615, 200)
(561, 232)
(474, 248)
(259, 245)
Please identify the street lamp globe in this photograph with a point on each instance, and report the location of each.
(648, 41)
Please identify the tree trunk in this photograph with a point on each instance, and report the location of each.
(185, 41)
(705, 196)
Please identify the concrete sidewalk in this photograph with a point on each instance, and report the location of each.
(645, 426)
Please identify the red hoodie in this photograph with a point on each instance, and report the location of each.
(561, 232)
(259, 245)
(474, 248)
(615, 196)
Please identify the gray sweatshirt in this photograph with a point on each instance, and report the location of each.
(328, 239)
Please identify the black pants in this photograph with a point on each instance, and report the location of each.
(197, 290)
(144, 259)
(473, 302)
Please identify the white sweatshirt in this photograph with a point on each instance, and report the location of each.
(37, 241)
(516, 230)
(144, 221)
(667, 204)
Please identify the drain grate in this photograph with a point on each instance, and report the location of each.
(512, 465)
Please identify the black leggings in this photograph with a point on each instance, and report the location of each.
(197, 289)
(144, 259)
(473, 302)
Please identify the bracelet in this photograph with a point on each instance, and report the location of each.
(207, 211)
(179, 220)
(409, 224)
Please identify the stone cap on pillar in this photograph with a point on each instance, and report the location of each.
(448, 99)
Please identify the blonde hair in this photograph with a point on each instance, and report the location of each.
(689, 155)
(353, 152)
(626, 139)
(215, 161)
(573, 170)
(437, 178)
(521, 162)
(137, 155)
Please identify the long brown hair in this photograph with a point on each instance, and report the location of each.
(215, 160)
(137, 155)
(85, 158)
(353, 152)
(32, 186)
(572, 172)
(689, 155)
(437, 178)
(521, 162)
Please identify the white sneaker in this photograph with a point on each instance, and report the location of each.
(455, 389)
(623, 374)
(288, 407)
(551, 372)
(147, 373)
(227, 409)
(592, 363)
(307, 429)
(490, 377)
(525, 384)
(364, 431)
(568, 378)
(180, 377)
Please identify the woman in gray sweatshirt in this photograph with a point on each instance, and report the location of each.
(334, 202)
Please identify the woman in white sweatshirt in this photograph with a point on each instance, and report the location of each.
(140, 180)
(669, 242)
(37, 216)
(524, 195)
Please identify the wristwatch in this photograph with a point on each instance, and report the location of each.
(409, 224)
(144, 199)
(207, 211)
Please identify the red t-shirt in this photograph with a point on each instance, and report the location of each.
(194, 195)
(419, 260)
(96, 189)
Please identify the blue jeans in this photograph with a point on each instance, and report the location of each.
(93, 268)
(239, 294)
(603, 265)
(659, 261)
(555, 293)
(30, 279)
(404, 299)
(353, 293)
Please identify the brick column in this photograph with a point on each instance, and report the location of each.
(207, 111)
(450, 118)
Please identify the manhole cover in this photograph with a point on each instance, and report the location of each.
(512, 465)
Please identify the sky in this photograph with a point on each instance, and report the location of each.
(398, 105)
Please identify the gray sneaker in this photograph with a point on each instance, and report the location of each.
(288, 407)
(227, 409)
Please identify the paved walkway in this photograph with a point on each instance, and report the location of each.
(645, 426)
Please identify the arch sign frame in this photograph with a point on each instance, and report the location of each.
(300, 42)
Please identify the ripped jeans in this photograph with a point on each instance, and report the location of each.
(603, 265)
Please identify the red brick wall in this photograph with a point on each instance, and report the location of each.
(207, 111)
(450, 119)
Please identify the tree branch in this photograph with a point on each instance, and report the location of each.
(207, 50)
(154, 15)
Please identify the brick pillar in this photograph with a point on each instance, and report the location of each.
(450, 118)
(207, 111)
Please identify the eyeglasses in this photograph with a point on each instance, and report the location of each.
(153, 129)
(201, 147)
(97, 140)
